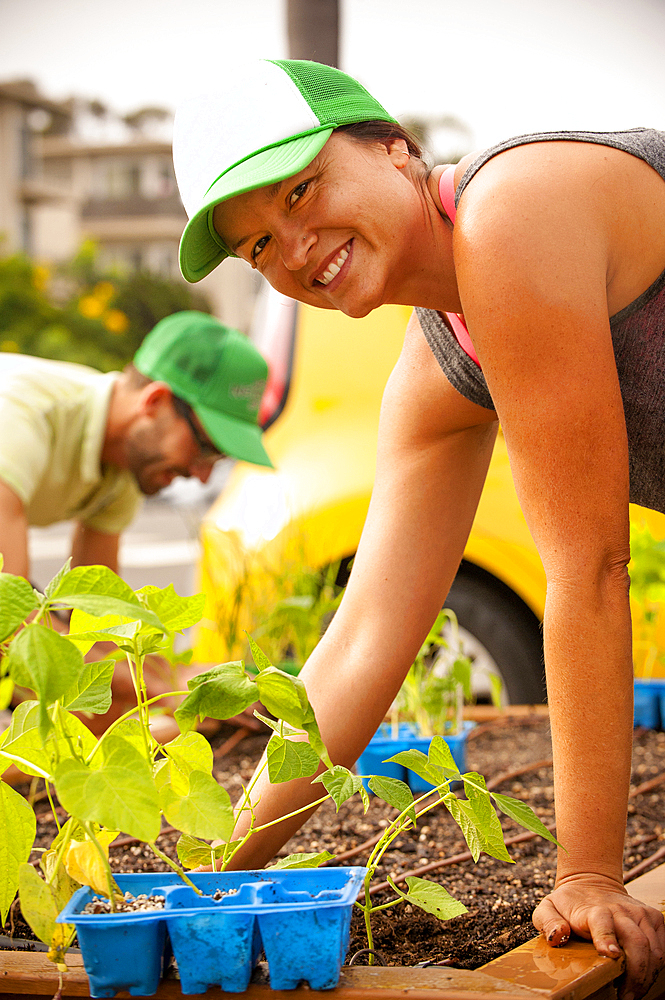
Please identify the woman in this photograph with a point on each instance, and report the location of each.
(556, 260)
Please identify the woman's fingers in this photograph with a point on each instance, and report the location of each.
(616, 923)
(547, 919)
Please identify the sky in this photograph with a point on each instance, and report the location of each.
(503, 66)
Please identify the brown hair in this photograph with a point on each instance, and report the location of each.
(380, 131)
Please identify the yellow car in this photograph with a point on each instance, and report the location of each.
(321, 410)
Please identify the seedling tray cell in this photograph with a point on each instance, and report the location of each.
(649, 703)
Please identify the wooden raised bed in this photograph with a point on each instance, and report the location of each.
(533, 971)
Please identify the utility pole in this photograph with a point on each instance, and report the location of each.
(313, 30)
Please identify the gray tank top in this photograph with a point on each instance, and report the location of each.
(638, 333)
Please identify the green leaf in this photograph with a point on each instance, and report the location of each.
(439, 755)
(316, 742)
(302, 861)
(279, 726)
(175, 612)
(416, 761)
(17, 835)
(192, 852)
(431, 897)
(17, 601)
(91, 691)
(22, 743)
(205, 811)
(488, 821)
(463, 814)
(130, 731)
(259, 657)
(284, 696)
(219, 693)
(84, 638)
(186, 753)
(57, 579)
(340, 783)
(46, 663)
(120, 795)
(524, 815)
(395, 792)
(99, 591)
(40, 905)
(289, 759)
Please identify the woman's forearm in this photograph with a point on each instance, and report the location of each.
(589, 680)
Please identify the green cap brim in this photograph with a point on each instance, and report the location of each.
(233, 437)
(201, 248)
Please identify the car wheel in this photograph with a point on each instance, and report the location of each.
(501, 635)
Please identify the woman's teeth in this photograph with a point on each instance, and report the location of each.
(335, 267)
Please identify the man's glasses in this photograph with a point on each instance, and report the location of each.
(206, 447)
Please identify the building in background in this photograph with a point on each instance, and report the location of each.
(73, 170)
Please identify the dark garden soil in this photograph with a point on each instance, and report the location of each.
(500, 897)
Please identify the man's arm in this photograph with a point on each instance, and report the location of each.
(94, 548)
(13, 532)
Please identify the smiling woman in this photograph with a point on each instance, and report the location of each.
(537, 270)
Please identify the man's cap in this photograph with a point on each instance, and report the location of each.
(258, 130)
(215, 369)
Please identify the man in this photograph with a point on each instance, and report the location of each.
(81, 445)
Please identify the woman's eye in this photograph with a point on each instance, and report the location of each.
(259, 246)
(297, 193)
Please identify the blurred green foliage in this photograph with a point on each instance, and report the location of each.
(81, 312)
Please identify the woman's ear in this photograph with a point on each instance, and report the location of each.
(398, 151)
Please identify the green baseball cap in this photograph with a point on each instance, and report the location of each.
(260, 128)
(215, 369)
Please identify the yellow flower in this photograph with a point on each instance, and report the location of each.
(104, 291)
(40, 277)
(91, 307)
(9, 345)
(115, 321)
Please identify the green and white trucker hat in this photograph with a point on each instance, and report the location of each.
(259, 130)
(218, 371)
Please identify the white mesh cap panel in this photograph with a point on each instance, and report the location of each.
(208, 140)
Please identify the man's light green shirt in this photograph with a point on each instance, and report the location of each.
(52, 424)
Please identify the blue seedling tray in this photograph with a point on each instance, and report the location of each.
(300, 917)
(649, 703)
(383, 745)
(218, 942)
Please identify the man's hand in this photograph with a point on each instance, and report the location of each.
(600, 910)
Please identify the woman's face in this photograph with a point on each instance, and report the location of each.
(340, 234)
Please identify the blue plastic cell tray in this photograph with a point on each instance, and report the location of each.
(299, 917)
(383, 745)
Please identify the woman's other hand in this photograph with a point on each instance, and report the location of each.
(600, 910)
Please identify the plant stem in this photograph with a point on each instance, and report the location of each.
(296, 812)
(128, 715)
(176, 867)
(386, 906)
(55, 815)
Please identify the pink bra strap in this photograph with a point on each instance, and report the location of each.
(447, 196)
(447, 191)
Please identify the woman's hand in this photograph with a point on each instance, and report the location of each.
(600, 910)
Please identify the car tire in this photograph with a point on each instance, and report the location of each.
(502, 629)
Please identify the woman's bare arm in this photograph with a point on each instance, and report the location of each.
(434, 450)
(535, 249)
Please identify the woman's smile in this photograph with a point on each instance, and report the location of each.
(334, 267)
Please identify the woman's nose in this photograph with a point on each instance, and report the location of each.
(295, 246)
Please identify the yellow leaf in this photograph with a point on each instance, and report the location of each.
(84, 864)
